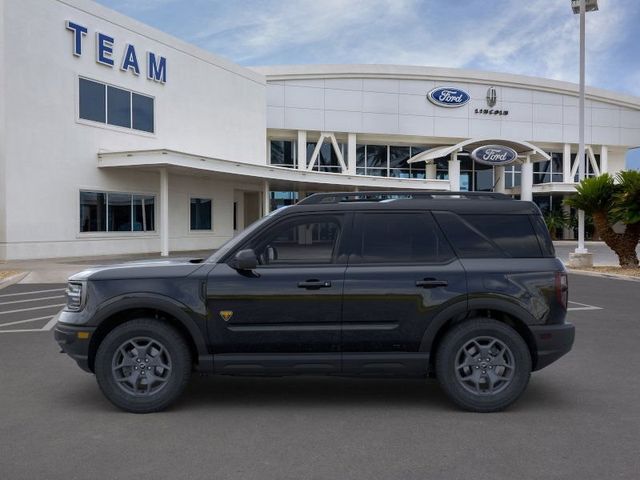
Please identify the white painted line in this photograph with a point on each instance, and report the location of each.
(33, 308)
(20, 331)
(30, 293)
(583, 306)
(50, 324)
(32, 300)
(25, 321)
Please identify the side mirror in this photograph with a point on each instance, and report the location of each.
(244, 260)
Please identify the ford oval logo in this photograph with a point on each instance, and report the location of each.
(448, 97)
(494, 155)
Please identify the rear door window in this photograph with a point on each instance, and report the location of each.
(399, 237)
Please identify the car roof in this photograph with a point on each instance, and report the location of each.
(457, 202)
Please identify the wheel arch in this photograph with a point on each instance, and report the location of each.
(163, 309)
(503, 310)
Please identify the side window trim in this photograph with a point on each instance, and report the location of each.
(339, 217)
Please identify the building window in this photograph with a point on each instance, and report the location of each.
(111, 105)
(548, 171)
(327, 160)
(389, 161)
(283, 153)
(116, 212)
(201, 213)
(512, 176)
(589, 171)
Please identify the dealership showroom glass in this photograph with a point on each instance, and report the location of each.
(118, 138)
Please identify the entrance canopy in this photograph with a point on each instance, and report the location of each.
(523, 149)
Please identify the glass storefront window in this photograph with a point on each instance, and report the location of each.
(283, 153)
(116, 212)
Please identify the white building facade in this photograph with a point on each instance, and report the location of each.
(117, 138)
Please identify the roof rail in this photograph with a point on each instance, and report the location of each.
(379, 196)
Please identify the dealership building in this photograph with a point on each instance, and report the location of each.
(118, 138)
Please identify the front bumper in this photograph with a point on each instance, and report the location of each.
(74, 340)
(552, 342)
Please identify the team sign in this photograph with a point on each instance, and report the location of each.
(156, 64)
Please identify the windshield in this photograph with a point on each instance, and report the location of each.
(230, 244)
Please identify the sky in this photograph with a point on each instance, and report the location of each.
(529, 37)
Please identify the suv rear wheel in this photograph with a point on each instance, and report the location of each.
(483, 365)
(142, 366)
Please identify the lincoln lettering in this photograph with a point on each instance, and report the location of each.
(156, 65)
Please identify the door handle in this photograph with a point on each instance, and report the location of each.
(314, 284)
(431, 283)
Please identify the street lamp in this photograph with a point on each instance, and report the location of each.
(580, 7)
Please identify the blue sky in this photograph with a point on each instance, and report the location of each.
(530, 37)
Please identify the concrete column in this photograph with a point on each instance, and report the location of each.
(454, 173)
(566, 164)
(164, 212)
(432, 171)
(302, 150)
(498, 179)
(266, 198)
(351, 153)
(526, 181)
(604, 159)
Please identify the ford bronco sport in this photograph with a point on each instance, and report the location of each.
(461, 286)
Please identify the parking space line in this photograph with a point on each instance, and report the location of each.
(30, 293)
(33, 308)
(20, 331)
(31, 300)
(583, 306)
(50, 323)
(25, 321)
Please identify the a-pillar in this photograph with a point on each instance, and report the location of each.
(526, 181)
(498, 172)
(164, 212)
(454, 173)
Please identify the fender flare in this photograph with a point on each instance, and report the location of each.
(154, 301)
(502, 304)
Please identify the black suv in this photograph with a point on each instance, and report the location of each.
(461, 286)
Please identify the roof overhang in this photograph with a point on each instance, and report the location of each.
(524, 149)
(182, 163)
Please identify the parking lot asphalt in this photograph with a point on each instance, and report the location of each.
(579, 418)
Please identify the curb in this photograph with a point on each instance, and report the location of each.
(6, 282)
(613, 276)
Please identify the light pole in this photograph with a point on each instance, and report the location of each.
(581, 7)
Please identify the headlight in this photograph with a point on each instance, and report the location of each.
(75, 293)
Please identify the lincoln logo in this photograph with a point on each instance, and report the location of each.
(448, 97)
(492, 97)
(494, 155)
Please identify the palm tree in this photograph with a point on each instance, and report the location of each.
(609, 202)
(555, 220)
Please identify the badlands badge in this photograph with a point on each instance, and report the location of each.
(226, 315)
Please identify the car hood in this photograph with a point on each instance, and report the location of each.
(168, 268)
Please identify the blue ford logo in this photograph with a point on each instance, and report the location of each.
(448, 96)
(494, 155)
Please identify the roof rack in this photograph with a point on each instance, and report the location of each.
(379, 196)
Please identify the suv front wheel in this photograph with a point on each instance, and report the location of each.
(143, 365)
(483, 365)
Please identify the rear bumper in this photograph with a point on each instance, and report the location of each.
(552, 342)
(74, 345)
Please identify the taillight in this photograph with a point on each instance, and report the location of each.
(562, 289)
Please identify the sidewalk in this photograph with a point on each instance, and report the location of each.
(602, 254)
(58, 270)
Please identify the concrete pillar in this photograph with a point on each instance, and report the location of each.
(351, 153)
(566, 164)
(454, 173)
(498, 179)
(432, 171)
(526, 180)
(302, 150)
(266, 198)
(604, 159)
(567, 232)
(164, 212)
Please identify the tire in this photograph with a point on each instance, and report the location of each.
(143, 366)
(471, 365)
